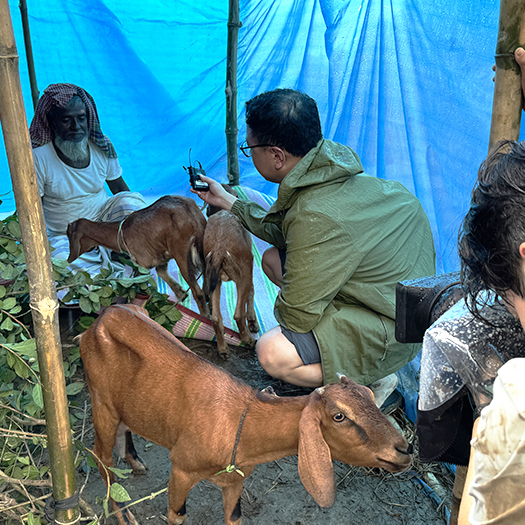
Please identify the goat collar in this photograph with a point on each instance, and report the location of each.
(120, 234)
(231, 467)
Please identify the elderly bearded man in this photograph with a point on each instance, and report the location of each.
(73, 159)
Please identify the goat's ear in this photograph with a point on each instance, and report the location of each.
(316, 469)
(79, 241)
(74, 242)
(343, 379)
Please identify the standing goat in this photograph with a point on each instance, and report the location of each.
(215, 426)
(171, 228)
(228, 254)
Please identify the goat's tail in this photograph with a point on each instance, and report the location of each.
(195, 260)
(212, 279)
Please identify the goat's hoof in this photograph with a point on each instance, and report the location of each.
(224, 352)
(175, 518)
(269, 391)
(140, 471)
(248, 342)
(138, 465)
(253, 326)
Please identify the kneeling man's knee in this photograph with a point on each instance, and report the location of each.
(265, 354)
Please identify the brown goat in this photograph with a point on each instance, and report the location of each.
(228, 254)
(170, 228)
(216, 426)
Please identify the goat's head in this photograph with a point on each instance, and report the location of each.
(341, 422)
(79, 242)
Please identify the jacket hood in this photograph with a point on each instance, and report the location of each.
(328, 162)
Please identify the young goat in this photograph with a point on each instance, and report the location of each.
(216, 426)
(171, 228)
(228, 254)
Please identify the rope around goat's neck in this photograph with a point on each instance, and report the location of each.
(120, 233)
(231, 467)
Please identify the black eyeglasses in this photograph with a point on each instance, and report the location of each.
(247, 150)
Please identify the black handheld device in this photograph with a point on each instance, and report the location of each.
(195, 176)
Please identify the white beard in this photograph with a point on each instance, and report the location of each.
(75, 151)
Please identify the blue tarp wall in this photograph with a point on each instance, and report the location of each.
(406, 83)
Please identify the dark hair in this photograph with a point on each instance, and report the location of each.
(494, 227)
(285, 118)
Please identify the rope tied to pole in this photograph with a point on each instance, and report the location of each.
(64, 504)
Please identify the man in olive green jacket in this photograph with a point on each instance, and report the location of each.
(341, 242)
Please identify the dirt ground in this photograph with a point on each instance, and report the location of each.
(273, 494)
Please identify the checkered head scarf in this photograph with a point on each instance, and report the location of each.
(59, 95)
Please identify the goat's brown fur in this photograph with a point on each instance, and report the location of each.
(228, 254)
(171, 228)
(142, 378)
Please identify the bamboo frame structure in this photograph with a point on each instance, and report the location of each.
(508, 98)
(43, 299)
(231, 93)
(29, 53)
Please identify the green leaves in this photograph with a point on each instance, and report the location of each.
(119, 493)
(37, 396)
(74, 388)
(122, 473)
(33, 520)
(14, 229)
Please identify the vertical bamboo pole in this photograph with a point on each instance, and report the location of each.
(43, 300)
(231, 93)
(29, 52)
(507, 105)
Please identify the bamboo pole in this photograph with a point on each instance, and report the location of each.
(29, 53)
(231, 93)
(507, 104)
(43, 299)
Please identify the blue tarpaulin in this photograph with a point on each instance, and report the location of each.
(406, 83)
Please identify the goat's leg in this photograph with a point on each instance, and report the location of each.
(243, 297)
(133, 459)
(105, 437)
(231, 500)
(178, 290)
(253, 325)
(196, 290)
(179, 486)
(216, 319)
(127, 452)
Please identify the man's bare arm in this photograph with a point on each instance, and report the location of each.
(117, 185)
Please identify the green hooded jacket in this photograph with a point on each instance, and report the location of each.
(349, 239)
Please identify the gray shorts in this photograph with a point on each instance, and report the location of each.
(305, 344)
(282, 257)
